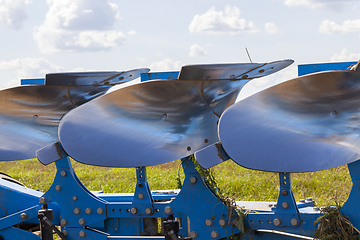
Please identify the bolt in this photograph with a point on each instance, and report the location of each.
(42, 200)
(302, 200)
(309, 199)
(75, 198)
(222, 222)
(88, 210)
(208, 222)
(193, 179)
(23, 216)
(294, 221)
(141, 196)
(284, 192)
(134, 210)
(65, 232)
(82, 233)
(277, 222)
(58, 187)
(63, 222)
(193, 234)
(285, 205)
(77, 211)
(63, 173)
(168, 210)
(148, 211)
(81, 221)
(214, 234)
(100, 210)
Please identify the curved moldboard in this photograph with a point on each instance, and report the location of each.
(309, 123)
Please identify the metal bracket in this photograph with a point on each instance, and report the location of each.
(142, 203)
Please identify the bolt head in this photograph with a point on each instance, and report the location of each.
(88, 210)
(100, 210)
(63, 222)
(277, 222)
(285, 205)
(309, 199)
(81, 221)
(141, 196)
(75, 198)
(209, 222)
(58, 187)
(63, 173)
(23, 216)
(222, 222)
(148, 211)
(294, 221)
(168, 210)
(193, 234)
(65, 232)
(302, 200)
(77, 211)
(193, 179)
(134, 210)
(82, 233)
(42, 200)
(284, 192)
(214, 234)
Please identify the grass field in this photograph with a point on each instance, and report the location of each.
(325, 187)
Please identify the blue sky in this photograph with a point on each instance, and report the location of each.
(39, 37)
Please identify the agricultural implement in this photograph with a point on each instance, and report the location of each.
(306, 124)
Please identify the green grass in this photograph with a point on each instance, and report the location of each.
(325, 187)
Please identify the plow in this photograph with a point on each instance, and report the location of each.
(309, 123)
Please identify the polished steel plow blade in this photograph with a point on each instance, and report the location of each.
(152, 122)
(30, 115)
(306, 124)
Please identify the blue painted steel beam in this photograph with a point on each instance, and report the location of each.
(159, 75)
(304, 69)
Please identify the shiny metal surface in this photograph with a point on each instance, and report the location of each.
(306, 124)
(30, 115)
(234, 71)
(149, 123)
(211, 155)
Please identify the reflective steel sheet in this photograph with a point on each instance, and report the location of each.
(307, 124)
(30, 115)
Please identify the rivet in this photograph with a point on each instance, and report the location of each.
(88, 210)
(58, 187)
(285, 205)
(193, 234)
(65, 232)
(168, 210)
(208, 222)
(63, 222)
(82, 233)
(141, 196)
(193, 179)
(77, 211)
(134, 210)
(284, 192)
(23, 216)
(63, 173)
(222, 222)
(214, 234)
(81, 221)
(302, 200)
(188, 148)
(42, 200)
(277, 222)
(100, 210)
(148, 211)
(294, 221)
(75, 198)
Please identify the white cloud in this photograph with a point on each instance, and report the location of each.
(13, 12)
(166, 65)
(335, 5)
(227, 22)
(196, 51)
(344, 56)
(271, 28)
(330, 27)
(79, 25)
(132, 32)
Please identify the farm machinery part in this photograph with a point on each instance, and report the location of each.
(163, 120)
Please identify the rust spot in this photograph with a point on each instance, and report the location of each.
(206, 141)
(106, 83)
(36, 116)
(207, 77)
(121, 78)
(261, 71)
(244, 76)
(220, 152)
(189, 148)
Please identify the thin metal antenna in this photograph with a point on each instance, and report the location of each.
(248, 54)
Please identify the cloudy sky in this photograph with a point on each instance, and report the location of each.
(39, 37)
